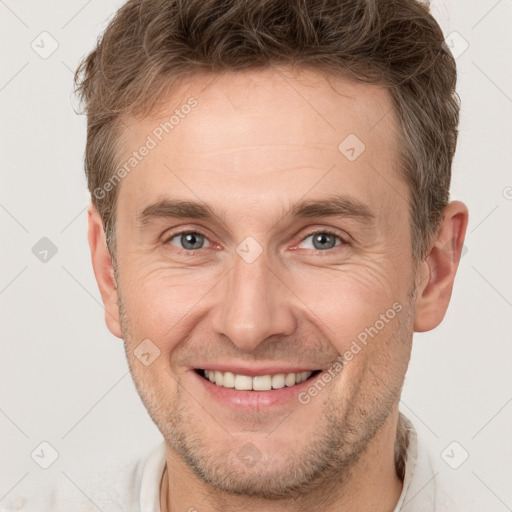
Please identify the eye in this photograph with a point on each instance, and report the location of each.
(189, 240)
(322, 240)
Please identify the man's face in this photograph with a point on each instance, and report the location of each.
(259, 286)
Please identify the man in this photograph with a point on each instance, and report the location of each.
(270, 223)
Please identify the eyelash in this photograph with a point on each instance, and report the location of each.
(319, 231)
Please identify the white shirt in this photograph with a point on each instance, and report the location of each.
(134, 486)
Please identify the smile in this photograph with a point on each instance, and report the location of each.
(256, 383)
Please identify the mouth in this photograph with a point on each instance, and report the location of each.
(268, 382)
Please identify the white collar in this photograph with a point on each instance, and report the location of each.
(419, 489)
(151, 479)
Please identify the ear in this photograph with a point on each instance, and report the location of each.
(439, 267)
(103, 270)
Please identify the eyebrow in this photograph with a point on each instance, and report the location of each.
(331, 206)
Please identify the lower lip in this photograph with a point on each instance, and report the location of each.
(255, 400)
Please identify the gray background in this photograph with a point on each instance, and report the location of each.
(64, 378)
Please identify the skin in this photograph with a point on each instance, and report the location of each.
(258, 142)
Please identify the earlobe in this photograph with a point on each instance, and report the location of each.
(103, 270)
(440, 266)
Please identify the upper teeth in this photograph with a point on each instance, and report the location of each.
(258, 383)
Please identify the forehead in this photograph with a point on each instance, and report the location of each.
(264, 134)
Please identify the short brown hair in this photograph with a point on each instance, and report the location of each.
(392, 43)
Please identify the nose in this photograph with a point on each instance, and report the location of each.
(253, 304)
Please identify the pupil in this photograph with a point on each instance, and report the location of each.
(322, 238)
(190, 241)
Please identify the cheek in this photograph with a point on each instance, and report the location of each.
(347, 302)
(162, 303)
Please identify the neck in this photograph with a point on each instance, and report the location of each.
(374, 482)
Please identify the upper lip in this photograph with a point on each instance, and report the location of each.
(254, 370)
